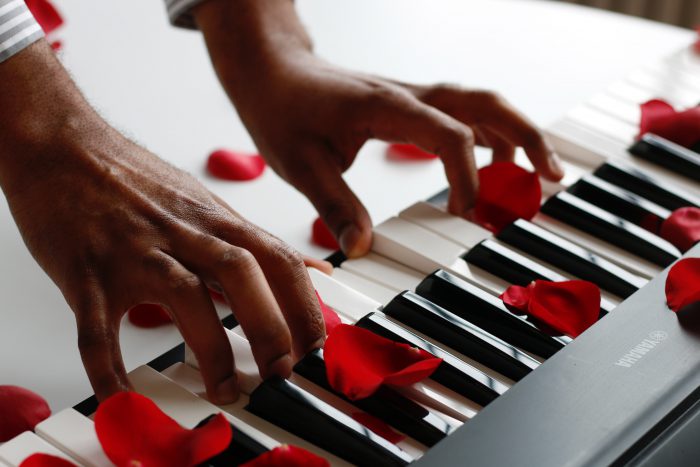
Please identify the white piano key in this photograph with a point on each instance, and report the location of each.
(627, 91)
(75, 435)
(604, 124)
(24, 445)
(660, 84)
(665, 72)
(627, 112)
(365, 286)
(436, 396)
(384, 271)
(685, 60)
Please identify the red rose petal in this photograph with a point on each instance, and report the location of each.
(359, 361)
(231, 165)
(149, 315)
(322, 236)
(20, 411)
(507, 192)
(56, 45)
(45, 14)
(287, 456)
(45, 460)
(683, 284)
(378, 426)
(660, 118)
(517, 298)
(330, 317)
(407, 152)
(134, 431)
(682, 228)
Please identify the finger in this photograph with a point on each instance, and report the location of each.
(322, 265)
(191, 307)
(502, 150)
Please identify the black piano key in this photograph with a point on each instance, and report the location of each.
(487, 312)
(515, 268)
(386, 404)
(613, 229)
(570, 257)
(646, 185)
(242, 448)
(286, 405)
(452, 373)
(463, 336)
(667, 154)
(620, 202)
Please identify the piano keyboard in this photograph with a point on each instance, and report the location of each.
(506, 393)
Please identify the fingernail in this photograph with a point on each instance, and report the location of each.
(555, 165)
(227, 391)
(282, 366)
(349, 239)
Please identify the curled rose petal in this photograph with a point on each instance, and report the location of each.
(358, 362)
(45, 460)
(507, 192)
(287, 456)
(322, 236)
(682, 228)
(20, 410)
(683, 284)
(45, 14)
(407, 153)
(567, 307)
(660, 118)
(231, 165)
(134, 431)
(378, 426)
(330, 317)
(148, 315)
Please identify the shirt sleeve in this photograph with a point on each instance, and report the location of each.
(18, 29)
(180, 12)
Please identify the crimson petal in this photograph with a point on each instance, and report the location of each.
(378, 426)
(20, 411)
(45, 460)
(407, 152)
(149, 315)
(287, 456)
(517, 298)
(570, 307)
(330, 317)
(682, 228)
(660, 118)
(134, 431)
(231, 165)
(45, 14)
(322, 236)
(507, 192)
(358, 362)
(683, 284)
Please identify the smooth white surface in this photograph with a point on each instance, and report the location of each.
(155, 83)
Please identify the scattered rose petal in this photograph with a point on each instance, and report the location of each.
(149, 315)
(407, 152)
(683, 284)
(358, 362)
(330, 317)
(133, 431)
(568, 307)
(45, 14)
(322, 236)
(45, 460)
(236, 166)
(20, 410)
(660, 118)
(507, 192)
(287, 456)
(57, 45)
(682, 228)
(378, 426)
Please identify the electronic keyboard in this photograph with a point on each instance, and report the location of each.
(625, 392)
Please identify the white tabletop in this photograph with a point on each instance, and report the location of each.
(155, 83)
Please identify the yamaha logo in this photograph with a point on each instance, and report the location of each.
(658, 335)
(636, 353)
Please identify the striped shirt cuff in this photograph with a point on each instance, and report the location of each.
(18, 29)
(180, 12)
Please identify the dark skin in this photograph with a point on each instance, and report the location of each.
(129, 228)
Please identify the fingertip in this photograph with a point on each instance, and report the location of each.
(281, 366)
(355, 241)
(227, 391)
(322, 265)
(556, 169)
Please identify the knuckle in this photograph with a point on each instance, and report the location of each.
(460, 136)
(382, 95)
(183, 282)
(286, 254)
(235, 258)
(533, 138)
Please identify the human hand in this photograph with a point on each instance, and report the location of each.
(310, 118)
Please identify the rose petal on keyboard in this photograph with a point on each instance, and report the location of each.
(322, 236)
(134, 431)
(148, 315)
(660, 118)
(507, 192)
(45, 14)
(568, 307)
(683, 284)
(20, 410)
(56, 45)
(358, 362)
(236, 166)
(682, 228)
(287, 456)
(378, 426)
(45, 460)
(407, 153)
(330, 317)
